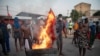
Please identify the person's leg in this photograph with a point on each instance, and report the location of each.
(73, 40)
(70, 31)
(20, 43)
(76, 39)
(84, 51)
(16, 45)
(58, 44)
(3, 46)
(30, 43)
(92, 38)
(7, 44)
(80, 51)
(61, 47)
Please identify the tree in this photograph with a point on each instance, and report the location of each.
(75, 15)
(97, 13)
(65, 17)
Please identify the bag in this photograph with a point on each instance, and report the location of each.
(1, 34)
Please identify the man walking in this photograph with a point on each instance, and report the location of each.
(59, 28)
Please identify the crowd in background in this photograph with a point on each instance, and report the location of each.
(85, 33)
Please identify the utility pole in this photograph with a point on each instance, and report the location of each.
(8, 14)
(7, 10)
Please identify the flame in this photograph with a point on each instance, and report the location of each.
(44, 38)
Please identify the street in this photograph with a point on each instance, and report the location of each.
(68, 49)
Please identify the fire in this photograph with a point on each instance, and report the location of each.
(44, 38)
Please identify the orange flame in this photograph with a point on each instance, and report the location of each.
(44, 38)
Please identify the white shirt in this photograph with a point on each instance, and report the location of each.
(9, 26)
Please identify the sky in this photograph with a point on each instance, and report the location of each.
(63, 7)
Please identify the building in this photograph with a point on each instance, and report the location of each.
(83, 8)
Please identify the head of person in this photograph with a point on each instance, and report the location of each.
(97, 23)
(1, 20)
(16, 22)
(59, 17)
(80, 25)
(16, 19)
(86, 20)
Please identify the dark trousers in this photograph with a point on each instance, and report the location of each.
(92, 39)
(59, 42)
(75, 38)
(2, 42)
(7, 44)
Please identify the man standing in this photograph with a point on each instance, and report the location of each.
(25, 28)
(17, 33)
(2, 38)
(59, 28)
(6, 35)
(92, 34)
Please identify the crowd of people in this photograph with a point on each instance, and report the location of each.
(20, 31)
(85, 33)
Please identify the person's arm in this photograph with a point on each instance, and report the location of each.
(64, 30)
(13, 31)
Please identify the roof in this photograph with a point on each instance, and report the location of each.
(83, 3)
(5, 17)
(21, 17)
(28, 14)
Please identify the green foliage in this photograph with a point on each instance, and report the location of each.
(75, 15)
(65, 17)
(97, 13)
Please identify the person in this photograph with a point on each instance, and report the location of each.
(25, 28)
(75, 38)
(6, 36)
(17, 33)
(2, 38)
(70, 27)
(82, 39)
(59, 28)
(67, 26)
(92, 34)
(9, 28)
(97, 30)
